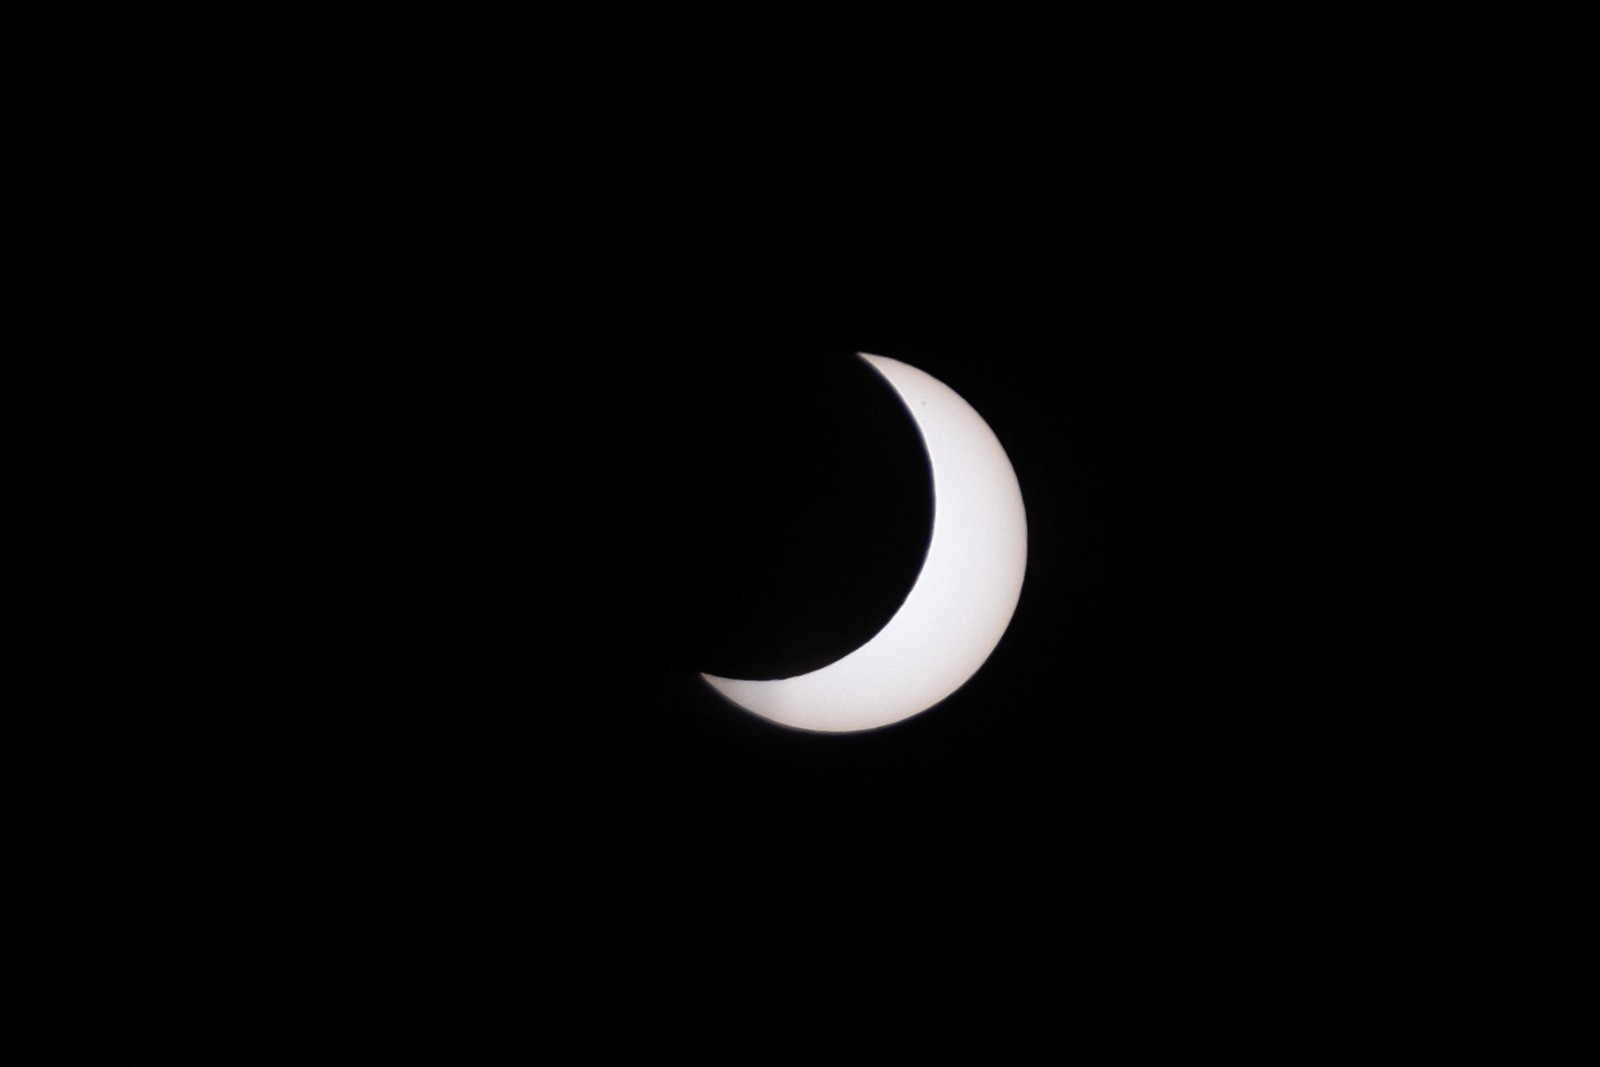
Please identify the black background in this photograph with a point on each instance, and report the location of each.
(478, 385)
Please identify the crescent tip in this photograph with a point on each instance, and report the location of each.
(875, 362)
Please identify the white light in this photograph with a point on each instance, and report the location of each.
(963, 598)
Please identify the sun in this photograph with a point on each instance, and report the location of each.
(962, 601)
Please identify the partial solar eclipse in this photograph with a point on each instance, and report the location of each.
(963, 598)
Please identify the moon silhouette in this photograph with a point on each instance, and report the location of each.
(962, 600)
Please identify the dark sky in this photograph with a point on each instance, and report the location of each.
(505, 390)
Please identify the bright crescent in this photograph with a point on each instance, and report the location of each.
(963, 598)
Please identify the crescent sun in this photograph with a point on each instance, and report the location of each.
(962, 600)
